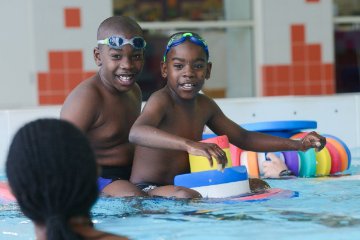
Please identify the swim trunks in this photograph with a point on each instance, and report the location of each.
(111, 174)
(146, 187)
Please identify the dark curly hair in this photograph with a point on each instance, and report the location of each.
(52, 172)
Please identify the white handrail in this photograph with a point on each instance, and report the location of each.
(346, 19)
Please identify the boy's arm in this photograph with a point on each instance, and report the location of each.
(145, 132)
(259, 142)
(80, 108)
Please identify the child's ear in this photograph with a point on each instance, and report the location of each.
(163, 69)
(208, 70)
(97, 56)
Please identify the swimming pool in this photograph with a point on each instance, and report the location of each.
(326, 208)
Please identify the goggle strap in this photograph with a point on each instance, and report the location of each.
(105, 41)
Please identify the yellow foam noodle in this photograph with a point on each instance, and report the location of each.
(323, 162)
(200, 163)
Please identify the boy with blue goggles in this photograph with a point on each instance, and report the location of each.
(179, 38)
(118, 42)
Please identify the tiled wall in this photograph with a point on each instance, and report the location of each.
(65, 36)
(65, 72)
(65, 66)
(305, 75)
(60, 40)
(309, 69)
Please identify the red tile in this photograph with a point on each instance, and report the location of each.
(298, 53)
(328, 71)
(283, 74)
(314, 72)
(283, 90)
(313, 1)
(88, 74)
(74, 79)
(330, 88)
(315, 89)
(300, 90)
(314, 53)
(43, 81)
(297, 33)
(57, 81)
(74, 60)
(72, 17)
(268, 73)
(269, 91)
(43, 100)
(56, 60)
(298, 73)
(57, 99)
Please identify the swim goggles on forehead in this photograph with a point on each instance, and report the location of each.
(182, 37)
(118, 42)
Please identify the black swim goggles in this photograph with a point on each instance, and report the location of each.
(179, 38)
(118, 42)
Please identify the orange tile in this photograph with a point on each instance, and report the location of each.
(283, 90)
(298, 53)
(297, 33)
(57, 98)
(301, 90)
(56, 60)
(298, 73)
(72, 17)
(313, 53)
(269, 91)
(268, 73)
(88, 74)
(57, 81)
(44, 100)
(314, 72)
(315, 89)
(74, 60)
(330, 88)
(43, 82)
(74, 79)
(283, 74)
(328, 71)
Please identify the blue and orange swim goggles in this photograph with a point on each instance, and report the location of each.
(118, 42)
(179, 38)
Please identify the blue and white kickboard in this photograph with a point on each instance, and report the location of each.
(216, 184)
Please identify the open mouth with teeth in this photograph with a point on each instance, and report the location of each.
(126, 79)
(188, 86)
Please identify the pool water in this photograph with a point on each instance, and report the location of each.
(326, 208)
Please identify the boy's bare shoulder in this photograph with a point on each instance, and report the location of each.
(205, 100)
(87, 89)
(161, 96)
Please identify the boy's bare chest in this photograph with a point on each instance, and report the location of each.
(186, 123)
(117, 116)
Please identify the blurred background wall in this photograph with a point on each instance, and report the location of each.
(258, 47)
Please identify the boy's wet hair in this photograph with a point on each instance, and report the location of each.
(52, 172)
(180, 37)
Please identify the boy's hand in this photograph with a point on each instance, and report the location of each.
(209, 150)
(313, 140)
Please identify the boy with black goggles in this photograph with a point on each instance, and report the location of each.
(118, 42)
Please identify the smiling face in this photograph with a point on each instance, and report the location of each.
(186, 69)
(119, 68)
